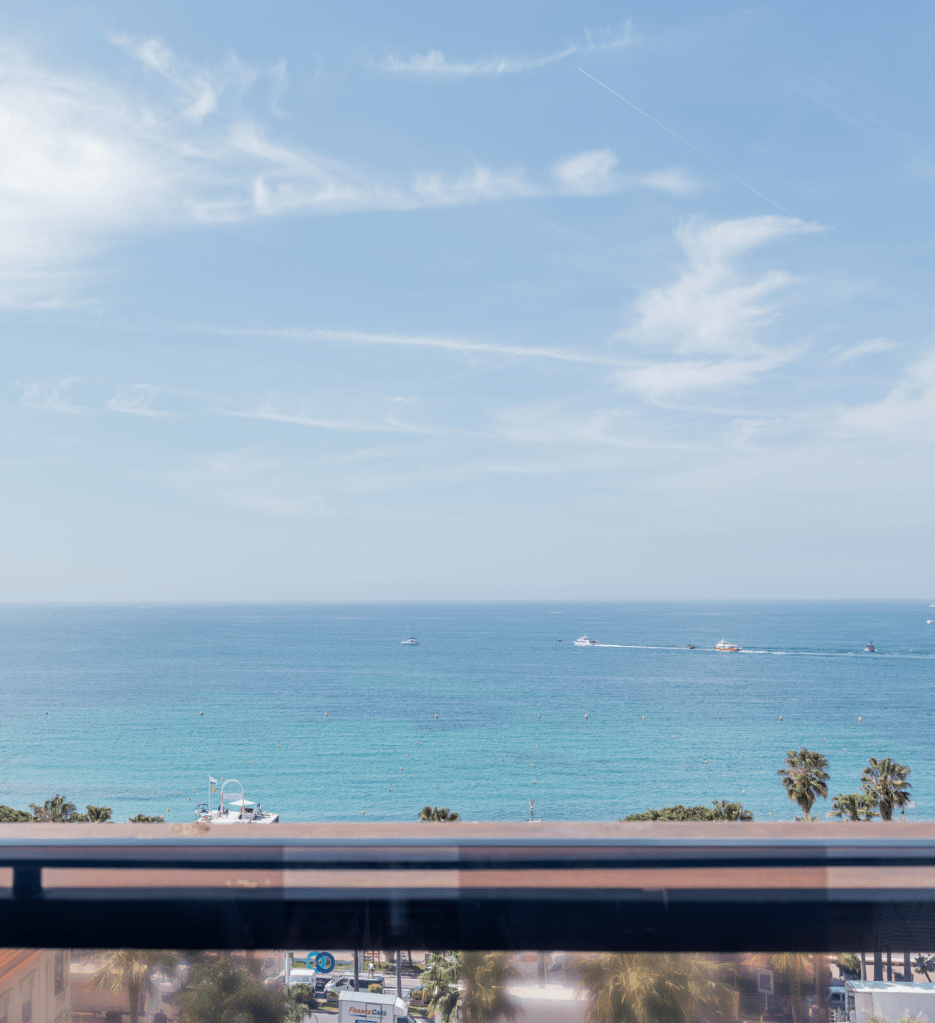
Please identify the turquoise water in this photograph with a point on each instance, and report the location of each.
(125, 688)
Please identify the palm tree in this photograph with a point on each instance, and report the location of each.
(223, 992)
(794, 967)
(132, 969)
(440, 981)
(724, 811)
(805, 777)
(437, 813)
(855, 806)
(884, 781)
(485, 998)
(631, 987)
(57, 810)
(99, 814)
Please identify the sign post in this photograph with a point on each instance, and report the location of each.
(764, 984)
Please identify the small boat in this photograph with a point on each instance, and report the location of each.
(409, 639)
(690, 646)
(870, 648)
(585, 640)
(726, 648)
(236, 811)
(929, 621)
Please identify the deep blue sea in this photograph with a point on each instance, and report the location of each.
(323, 715)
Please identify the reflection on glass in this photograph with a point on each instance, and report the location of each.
(292, 986)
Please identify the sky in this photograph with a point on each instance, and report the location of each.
(535, 301)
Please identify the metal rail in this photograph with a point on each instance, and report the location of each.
(707, 887)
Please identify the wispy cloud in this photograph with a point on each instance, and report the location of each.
(199, 89)
(673, 179)
(137, 402)
(272, 411)
(48, 396)
(588, 173)
(435, 63)
(82, 163)
(709, 322)
(453, 344)
(907, 411)
(842, 354)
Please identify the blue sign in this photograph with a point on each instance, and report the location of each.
(323, 962)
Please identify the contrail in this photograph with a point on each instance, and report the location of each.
(685, 142)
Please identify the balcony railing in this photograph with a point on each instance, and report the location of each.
(704, 887)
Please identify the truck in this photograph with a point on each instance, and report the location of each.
(890, 1000)
(369, 1007)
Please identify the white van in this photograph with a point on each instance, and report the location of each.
(345, 982)
(368, 1007)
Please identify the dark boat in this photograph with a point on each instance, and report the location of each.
(870, 648)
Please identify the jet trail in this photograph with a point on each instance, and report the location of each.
(685, 142)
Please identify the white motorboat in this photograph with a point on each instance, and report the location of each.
(585, 640)
(870, 648)
(235, 811)
(409, 639)
(726, 648)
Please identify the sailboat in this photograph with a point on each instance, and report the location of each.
(409, 639)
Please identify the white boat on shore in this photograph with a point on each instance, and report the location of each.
(726, 648)
(585, 640)
(235, 810)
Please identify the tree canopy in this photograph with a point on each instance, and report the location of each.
(437, 813)
(10, 816)
(805, 777)
(723, 811)
(854, 806)
(884, 781)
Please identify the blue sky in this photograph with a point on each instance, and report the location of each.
(388, 302)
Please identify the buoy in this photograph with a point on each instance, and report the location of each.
(706, 761)
(540, 715)
(47, 713)
(407, 754)
(400, 769)
(859, 719)
(534, 781)
(780, 717)
(644, 717)
(436, 717)
(326, 713)
(202, 714)
(771, 813)
(390, 790)
(845, 749)
(533, 764)
(189, 799)
(363, 812)
(585, 717)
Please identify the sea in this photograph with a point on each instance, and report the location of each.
(321, 714)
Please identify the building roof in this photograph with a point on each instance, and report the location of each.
(11, 958)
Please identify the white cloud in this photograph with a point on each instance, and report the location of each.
(907, 411)
(138, 402)
(435, 63)
(708, 324)
(271, 411)
(674, 180)
(839, 355)
(588, 173)
(82, 163)
(42, 394)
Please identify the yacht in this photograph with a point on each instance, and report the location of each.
(870, 648)
(235, 811)
(409, 639)
(585, 640)
(726, 648)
